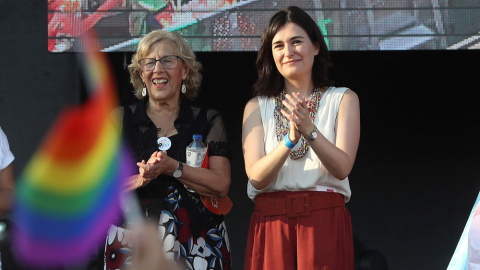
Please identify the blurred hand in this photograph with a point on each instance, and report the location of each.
(148, 252)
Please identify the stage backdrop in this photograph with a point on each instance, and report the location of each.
(237, 25)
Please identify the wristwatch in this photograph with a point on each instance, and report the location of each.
(313, 134)
(179, 171)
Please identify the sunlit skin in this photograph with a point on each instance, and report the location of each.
(293, 53)
(7, 188)
(167, 89)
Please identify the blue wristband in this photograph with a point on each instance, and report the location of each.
(287, 141)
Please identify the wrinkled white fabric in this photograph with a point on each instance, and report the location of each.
(306, 173)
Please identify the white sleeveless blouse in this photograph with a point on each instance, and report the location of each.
(306, 173)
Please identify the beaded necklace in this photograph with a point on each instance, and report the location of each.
(282, 125)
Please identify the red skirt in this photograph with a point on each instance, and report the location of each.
(320, 239)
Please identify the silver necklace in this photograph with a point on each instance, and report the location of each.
(164, 142)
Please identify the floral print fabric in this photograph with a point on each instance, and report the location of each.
(210, 250)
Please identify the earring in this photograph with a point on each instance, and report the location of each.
(184, 88)
(144, 91)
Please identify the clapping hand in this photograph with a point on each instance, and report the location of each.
(147, 171)
(298, 114)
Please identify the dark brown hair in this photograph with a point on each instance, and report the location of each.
(270, 82)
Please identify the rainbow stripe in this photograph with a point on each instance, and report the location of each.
(70, 191)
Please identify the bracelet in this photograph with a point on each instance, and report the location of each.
(287, 141)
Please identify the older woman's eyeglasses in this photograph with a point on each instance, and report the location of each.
(169, 61)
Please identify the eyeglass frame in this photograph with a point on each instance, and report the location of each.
(159, 60)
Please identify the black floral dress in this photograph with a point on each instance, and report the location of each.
(192, 235)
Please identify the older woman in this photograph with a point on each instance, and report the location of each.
(300, 139)
(165, 75)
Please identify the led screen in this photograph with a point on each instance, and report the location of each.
(235, 25)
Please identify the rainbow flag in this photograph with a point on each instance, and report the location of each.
(70, 191)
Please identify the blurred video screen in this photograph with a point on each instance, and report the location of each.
(236, 25)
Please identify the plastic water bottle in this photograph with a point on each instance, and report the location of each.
(196, 151)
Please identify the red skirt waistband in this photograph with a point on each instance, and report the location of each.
(296, 203)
